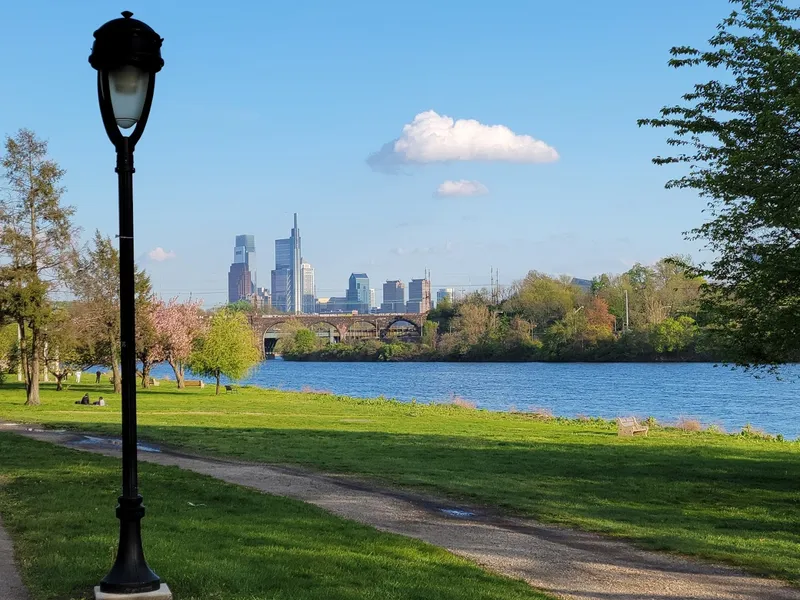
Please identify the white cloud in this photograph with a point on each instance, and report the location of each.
(160, 255)
(462, 187)
(432, 137)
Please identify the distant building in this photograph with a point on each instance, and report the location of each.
(394, 297)
(280, 288)
(309, 288)
(372, 298)
(244, 260)
(584, 284)
(333, 305)
(358, 293)
(419, 296)
(287, 284)
(261, 299)
(444, 294)
(245, 252)
(240, 285)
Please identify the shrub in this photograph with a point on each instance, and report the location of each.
(685, 424)
(462, 402)
(750, 432)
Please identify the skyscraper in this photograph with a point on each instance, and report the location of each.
(358, 293)
(287, 284)
(242, 274)
(240, 284)
(444, 294)
(419, 296)
(394, 297)
(309, 288)
(371, 298)
(245, 252)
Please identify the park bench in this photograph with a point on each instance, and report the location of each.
(629, 426)
(194, 383)
(229, 389)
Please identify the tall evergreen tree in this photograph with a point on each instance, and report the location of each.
(36, 243)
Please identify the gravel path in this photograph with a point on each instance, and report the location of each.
(11, 587)
(563, 562)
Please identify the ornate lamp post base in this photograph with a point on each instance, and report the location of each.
(162, 593)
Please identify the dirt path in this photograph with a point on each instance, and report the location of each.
(563, 562)
(11, 587)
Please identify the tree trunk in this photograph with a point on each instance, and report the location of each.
(146, 366)
(117, 375)
(217, 383)
(177, 367)
(59, 378)
(115, 368)
(23, 353)
(33, 371)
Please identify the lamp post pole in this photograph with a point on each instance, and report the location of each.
(127, 56)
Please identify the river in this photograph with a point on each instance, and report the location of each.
(712, 395)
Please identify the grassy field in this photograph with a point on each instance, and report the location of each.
(727, 498)
(212, 541)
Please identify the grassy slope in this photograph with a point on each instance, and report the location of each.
(234, 544)
(715, 496)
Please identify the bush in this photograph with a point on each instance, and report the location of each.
(685, 424)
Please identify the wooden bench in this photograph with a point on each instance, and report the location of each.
(194, 383)
(229, 389)
(629, 426)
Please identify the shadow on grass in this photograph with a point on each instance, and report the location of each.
(211, 540)
(735, 502)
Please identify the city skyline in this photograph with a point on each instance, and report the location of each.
(359, 295)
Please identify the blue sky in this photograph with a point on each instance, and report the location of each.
(265, 108)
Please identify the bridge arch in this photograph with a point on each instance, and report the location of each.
(326, 330)
(362, 329)
(402, 319)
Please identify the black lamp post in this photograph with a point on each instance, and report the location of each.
(127, 56)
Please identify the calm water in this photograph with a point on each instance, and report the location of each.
(666, 391)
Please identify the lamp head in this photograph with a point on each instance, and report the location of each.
(127, 55)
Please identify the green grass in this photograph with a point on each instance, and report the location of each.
(233, 544)
(721, 497)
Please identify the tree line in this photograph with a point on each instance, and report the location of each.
(43, 259)
(647, 313)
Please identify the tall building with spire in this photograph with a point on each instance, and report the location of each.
(287, 282)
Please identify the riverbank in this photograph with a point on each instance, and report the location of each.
(631, 348)
(714, 396)
(729, 498)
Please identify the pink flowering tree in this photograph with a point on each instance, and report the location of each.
(178, 325)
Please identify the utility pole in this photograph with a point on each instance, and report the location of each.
(627, 322)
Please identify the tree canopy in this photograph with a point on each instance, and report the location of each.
(739, 136)
(226, 349)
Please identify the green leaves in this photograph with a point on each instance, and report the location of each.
(741, 136)
(227, 348)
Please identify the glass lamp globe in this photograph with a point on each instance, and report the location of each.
(128, 90)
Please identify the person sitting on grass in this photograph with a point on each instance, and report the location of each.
(100, 402)
(84, 400)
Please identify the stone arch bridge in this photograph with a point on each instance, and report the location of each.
(337, 327)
